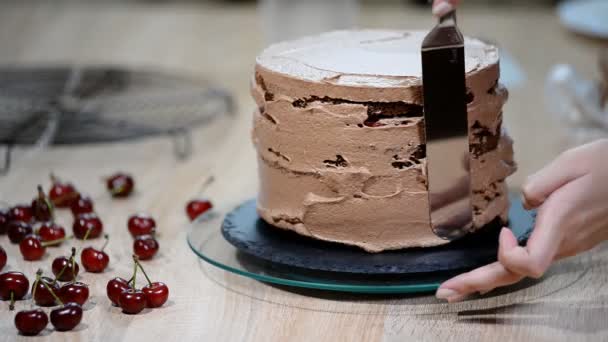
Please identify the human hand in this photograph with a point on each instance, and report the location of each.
(443, 7)
(571, 194)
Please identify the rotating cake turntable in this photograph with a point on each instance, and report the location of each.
(246, 245)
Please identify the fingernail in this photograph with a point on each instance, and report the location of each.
(531, 203)
(442, 9)
(507, 242)
(446, 294)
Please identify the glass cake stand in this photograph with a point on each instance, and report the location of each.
(281, 257)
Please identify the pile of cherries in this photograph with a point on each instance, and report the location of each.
(19, 222)
(126, 295)
(63, 290)
(33, 227)
(45, 292)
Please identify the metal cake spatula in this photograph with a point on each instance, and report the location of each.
(447, 140)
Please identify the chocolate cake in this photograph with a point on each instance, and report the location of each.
(339, 133)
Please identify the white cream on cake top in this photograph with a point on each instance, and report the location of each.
(374, 58)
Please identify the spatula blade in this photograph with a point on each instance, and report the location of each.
(446, 128)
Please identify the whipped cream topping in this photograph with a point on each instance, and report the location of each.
(374, 58)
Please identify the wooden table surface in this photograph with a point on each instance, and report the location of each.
(220, 42)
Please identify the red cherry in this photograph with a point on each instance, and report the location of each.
(21, 212)
(64, 268)
(18, 230)
(31, 322)
(4, 220)
(132, 301)
(120, 185)
(31, 248)
(85, 223)
(81, 205)
(197, 207)
(95, 260)
(13, 286)
(42, 207)
(145, 247)
(62, 194)
(115, 287)
(75, 292)
(13, 282)
(141, 224)
(156, 294)
(40, 292)
(66, 317)
(50, 231)
(2, 258)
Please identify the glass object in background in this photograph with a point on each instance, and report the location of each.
(289, 19)
(578, 103)
(586, 17)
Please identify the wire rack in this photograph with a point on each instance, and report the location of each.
(73, 105)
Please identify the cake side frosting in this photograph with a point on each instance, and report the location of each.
(341, 159)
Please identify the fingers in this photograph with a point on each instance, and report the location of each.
(557, 218)
(565, 168)
(541, 249)
(443, 7)
(482, 279)
(511, 268)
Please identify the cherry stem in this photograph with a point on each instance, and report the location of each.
(118, 190)
(54, 178)
(73, 262)
(107, 237)
(134, 275)
(86, 235)
(206, 184)
(11, 306)
(56, 242)
(52, 293)
(38, 274)
(60, 274)
(136, 260)
(42, 197)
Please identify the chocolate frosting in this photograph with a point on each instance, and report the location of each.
(339, 131)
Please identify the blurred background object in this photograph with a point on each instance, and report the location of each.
(288, 19)
(579, 104)
(587, 17)
(102, 104)
(78, 105)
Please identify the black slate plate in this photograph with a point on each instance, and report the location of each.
(244, 229)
